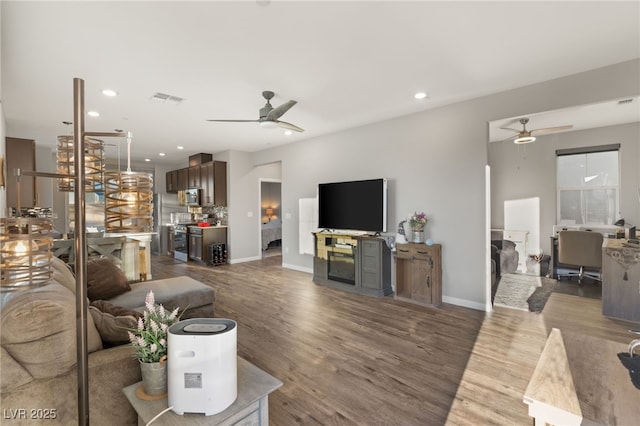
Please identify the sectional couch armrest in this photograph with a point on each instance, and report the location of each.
(110, 370)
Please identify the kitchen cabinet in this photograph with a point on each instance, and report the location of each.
(419, 273)
(213, 180)
(172, 181)
(21, 154)
(194, 177)
(211, 177)
(201, 237)
(183, 179)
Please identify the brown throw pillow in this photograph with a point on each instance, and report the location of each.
(113, 322)
(105, 280)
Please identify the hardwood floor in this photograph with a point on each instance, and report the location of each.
(349, 359)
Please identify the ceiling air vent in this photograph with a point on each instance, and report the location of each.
(625, 101)
(164, 98)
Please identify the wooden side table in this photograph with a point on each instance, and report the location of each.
(251, 407)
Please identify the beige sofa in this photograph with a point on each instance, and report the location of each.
(38, 351)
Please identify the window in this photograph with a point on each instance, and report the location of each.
(588, 186)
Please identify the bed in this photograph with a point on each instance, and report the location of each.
(271, 231)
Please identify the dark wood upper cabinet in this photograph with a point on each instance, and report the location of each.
(21, 154)
(194, 177)
(211, 177)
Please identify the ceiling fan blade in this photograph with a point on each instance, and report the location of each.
(278, 112)
(237, 121)
(289, 126)
(551, 129)
(509, 128)
(510, 138)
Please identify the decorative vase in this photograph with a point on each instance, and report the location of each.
(154, 376)
(417, 235)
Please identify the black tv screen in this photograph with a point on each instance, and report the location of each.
(356, 205)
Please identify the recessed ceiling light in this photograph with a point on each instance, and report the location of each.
(109, 92)
(288, 132)
(162, 154)
(420, 95)
(180, 147)
(147, 159)
(93, 114)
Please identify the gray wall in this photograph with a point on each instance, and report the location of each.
(530, 171)
(435, 162)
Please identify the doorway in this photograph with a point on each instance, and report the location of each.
(271, 217)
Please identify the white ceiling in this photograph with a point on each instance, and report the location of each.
(346, 63)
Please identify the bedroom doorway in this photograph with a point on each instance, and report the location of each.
(271, 217)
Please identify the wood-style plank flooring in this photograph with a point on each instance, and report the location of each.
(349, 359)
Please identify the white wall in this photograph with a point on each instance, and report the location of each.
(530, 171)
(435, 161)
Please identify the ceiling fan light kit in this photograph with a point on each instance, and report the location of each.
(524, 140)
(268, 124)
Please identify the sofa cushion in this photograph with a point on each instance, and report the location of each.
(39, 329)
(12, 375)
(104, 279)
(177, 292)
(113, 322)
(62, 274)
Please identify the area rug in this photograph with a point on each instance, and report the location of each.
(523, 292)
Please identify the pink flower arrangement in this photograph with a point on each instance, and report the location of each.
(149, 338)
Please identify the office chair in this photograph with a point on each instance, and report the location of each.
(581, 249)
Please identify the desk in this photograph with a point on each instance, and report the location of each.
(580, 380)
(251, 407)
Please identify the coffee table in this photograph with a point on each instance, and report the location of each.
(251, 407)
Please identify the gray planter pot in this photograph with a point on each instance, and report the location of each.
(154, 377)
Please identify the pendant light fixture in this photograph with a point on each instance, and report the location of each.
(128, 199)
(25, 252)
(93, 163)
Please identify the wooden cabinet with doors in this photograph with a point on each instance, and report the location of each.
(21, 154)
(172, 181)
(213, 180)
(419, 273)
(194, 177)
(211, 177)
(183, 179)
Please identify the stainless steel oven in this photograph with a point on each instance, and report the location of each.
(181, 242)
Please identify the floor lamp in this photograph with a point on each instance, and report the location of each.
(80, 241)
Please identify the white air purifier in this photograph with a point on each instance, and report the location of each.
(202, 373)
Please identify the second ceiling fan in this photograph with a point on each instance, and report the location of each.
(527, 136)
(269, 116)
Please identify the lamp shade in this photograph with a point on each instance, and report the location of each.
(269, 212)
(93, 164)
(25, 253)
(128, 202)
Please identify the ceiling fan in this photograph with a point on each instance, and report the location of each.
(269, 115)
(527, 136)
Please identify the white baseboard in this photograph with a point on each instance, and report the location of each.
(464, 302)
(245, 259)
(297, 268)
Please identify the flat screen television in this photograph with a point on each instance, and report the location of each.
(356, 205)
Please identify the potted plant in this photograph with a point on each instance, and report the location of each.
(417, 221)
(150, 342)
